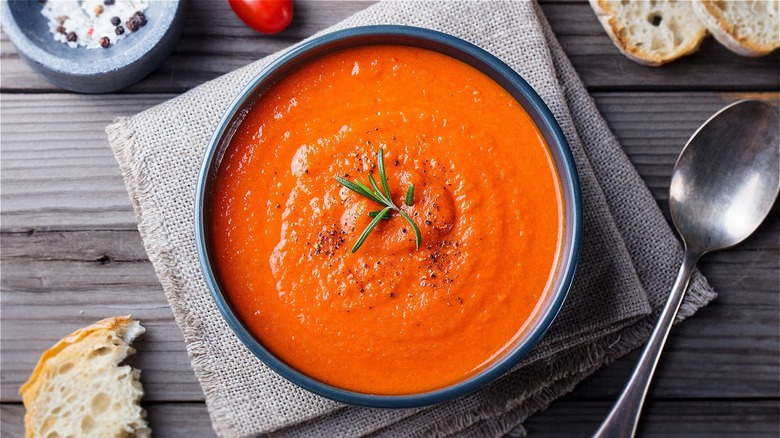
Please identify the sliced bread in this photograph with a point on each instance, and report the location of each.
(746, 27)
(78, 388)
(651, 32)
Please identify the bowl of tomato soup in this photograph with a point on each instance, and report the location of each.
(388, 216)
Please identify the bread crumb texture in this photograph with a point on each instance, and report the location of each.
(651, 32)
(746, 27)
(78, 388)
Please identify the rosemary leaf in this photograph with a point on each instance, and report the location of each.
(363, 186)
(380, 162)
(373, 214)
(370, 228)
(381, 197)
(377, 192)
(417, 234)
(360, 189)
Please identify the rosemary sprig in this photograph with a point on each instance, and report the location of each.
(382, 197)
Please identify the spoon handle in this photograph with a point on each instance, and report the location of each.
(623, 418)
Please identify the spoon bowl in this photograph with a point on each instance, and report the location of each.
(723, 186)
(726, 179)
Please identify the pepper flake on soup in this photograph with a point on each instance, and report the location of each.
(458, 240)
(382, 197)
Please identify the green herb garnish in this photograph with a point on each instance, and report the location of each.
(410, 195)
(382, 197)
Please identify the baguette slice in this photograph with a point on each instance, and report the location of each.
(651, 32)
(78, 388)
(746, 27)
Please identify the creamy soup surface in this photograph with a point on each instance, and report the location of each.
(389, 318)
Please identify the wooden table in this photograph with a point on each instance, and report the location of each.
(71, 253)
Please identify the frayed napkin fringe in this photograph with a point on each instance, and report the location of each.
(154, 235)
(514, 397)
(501, 416)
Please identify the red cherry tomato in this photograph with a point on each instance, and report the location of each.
(266, 16)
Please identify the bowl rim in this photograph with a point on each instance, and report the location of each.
(459, 49)
(76, 67)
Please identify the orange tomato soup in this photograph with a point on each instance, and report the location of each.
(389, 318)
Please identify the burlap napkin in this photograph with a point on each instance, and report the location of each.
(628, 262)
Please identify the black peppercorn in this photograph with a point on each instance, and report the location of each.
(108, 2)
(104, 42)
(115, 21)
(140, 17)
(132, 25)
(119, 30)
(72, 36)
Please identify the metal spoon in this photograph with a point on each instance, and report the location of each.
(723, 185)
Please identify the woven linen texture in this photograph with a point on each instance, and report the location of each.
(627, 265)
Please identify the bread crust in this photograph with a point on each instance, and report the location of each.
(123, 326)
(613, 25)
(728, 34)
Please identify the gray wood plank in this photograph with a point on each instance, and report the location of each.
(67, 262)
(215, 42)
(165, 368)
(714, 343)
(663, 418)
(71, 254)
(165, 419)
(564, 419)
(64, 178)
(46, 173)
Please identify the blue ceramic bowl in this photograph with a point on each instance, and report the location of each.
(456, 48)
(93, 70)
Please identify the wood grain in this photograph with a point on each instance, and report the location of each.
(71, 253)
(663, 418)
(166, 420)
(564, 419)
(215, 42)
